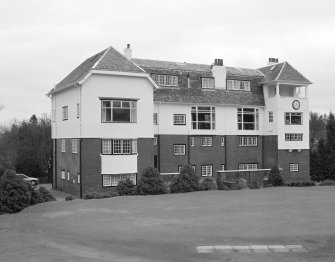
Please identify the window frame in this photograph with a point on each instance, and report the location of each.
(238, 85)
(207, 83)
(179, 123)
(63, 145)
(74, 146)
(195, 124)
(78, 110)
(206, 141)
(248, 141)
(111, 181)
(244, 112)
(289, 115)
(179, 146)
(294, 167)
(222, 141)
(211, 170)
(294, 137)
(132, 110)
(165, 80)
(192, 141)
(65, 113)
(270, 115)
(155, 119)
(155, 141)
(248, 165)
(223, 167)
(68, 175)
(78, 178)
(126, 145)
(62, 174)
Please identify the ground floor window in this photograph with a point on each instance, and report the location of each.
(247, 166)
(294, 167)
(113, 180)
(179, 150)
(62, 172)
(206, 170)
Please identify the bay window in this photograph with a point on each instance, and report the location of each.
(118, 111)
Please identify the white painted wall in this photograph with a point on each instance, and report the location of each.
(225, 124)
(118, 164)
(66, 128)
(220, 74)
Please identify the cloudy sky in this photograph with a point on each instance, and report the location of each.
(41, 41)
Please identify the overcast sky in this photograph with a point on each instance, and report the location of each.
(42, 41)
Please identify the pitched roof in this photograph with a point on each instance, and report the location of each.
(283, 72)
(194, 95)
(109, 60)
(157, 64)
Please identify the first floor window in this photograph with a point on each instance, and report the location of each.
(74, 146)
(203, 117)
(293, 118)
(247, 118)
(63, 145)
(134, 146)
(192, 141)
(119, 146)
(293, 136)
(179, 119)
(294, 167)
(62, 172)
(247, 141)
(222, 140)
(78, 178)
(206, 170)
(155, 119)
(206, 141)
(118, 111)
(207, 82)
(179, 150)
(106, 146)
(113, 180)
(247, 166)
(65, 113)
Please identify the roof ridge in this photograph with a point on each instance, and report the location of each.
(105, 52)
(281, 70)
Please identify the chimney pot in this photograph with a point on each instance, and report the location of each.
(273, 61)
(128, 52)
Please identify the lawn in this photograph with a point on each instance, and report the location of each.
(170, 227)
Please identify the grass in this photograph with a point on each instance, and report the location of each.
(169, 227)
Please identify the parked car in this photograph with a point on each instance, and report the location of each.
(32, 180)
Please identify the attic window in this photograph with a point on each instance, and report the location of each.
(165, 80)
(207, 82)
(238, 85)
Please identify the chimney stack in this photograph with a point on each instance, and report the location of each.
(128, 52)
(272, 61)
(219, 73)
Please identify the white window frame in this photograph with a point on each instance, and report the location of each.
(293, 136)
(155, 140)
(179, 150)
(74, 146)
(62, 173)
(243, 112)
(196, 111)
(119, 146)
(207, 83)
(222, 140)
(206, 141)
(63, 144)
(106, 146)
(68, 175)
(192, 142)
(247, 141)
(248, 166)
(238, 85)
(270, 116)
(288, 118)
(165, 80)
(207, 170)
(155, 119)
(78, 178)
(179, 119)
(65, 113)
(134, 146)
(78, 110)
(123, 105)
(112, 180)
(294, 167)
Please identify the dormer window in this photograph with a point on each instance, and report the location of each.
(238, 85)
(165, 80)
(207, 83)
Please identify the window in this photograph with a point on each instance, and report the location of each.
(247, 119)
(206, 141)
(155, 119)
(155, 140)
(113, 180)
(65, 113)
(294, 167)
(53, 115)
(222, 167)
(179, 150)
(78, 178)
(63, 146)
(293, 137)
(68, 175)
(238, 85)
(206, 170)
(222, 140)
(62, 172)
(270, 117)
(247, 141)
(78, 110)
(179, 119)
(203, 117)
(118, 111)
(247, 166)
(207, 82)
(165, 80)
(192, 141)
(119, 146)
(74, 146)
(293, 118)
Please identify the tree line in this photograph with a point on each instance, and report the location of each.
(26, 147)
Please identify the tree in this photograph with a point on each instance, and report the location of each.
(317, 128)
(319, 162)
(330, 146)
(275, 179)
(150, 183)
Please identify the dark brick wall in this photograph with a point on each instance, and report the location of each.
(68, 162)
(270, 151)
(145, 150)
(243, 154)
(284, 160)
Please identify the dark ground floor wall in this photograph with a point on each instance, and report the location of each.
(84, 167)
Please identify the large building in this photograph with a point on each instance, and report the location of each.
(115, 115)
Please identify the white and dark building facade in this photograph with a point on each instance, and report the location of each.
(115, 115)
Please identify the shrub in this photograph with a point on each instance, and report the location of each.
(126, 187)
(327, 182)
(96, 195)
(150, 183)
(46, 195)
(14, 193)
(254, 185)
(208, 184)
(36, 196)
(186, 181)
(301, 184)
(275, 179)
(220, 184)
(69, 198)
